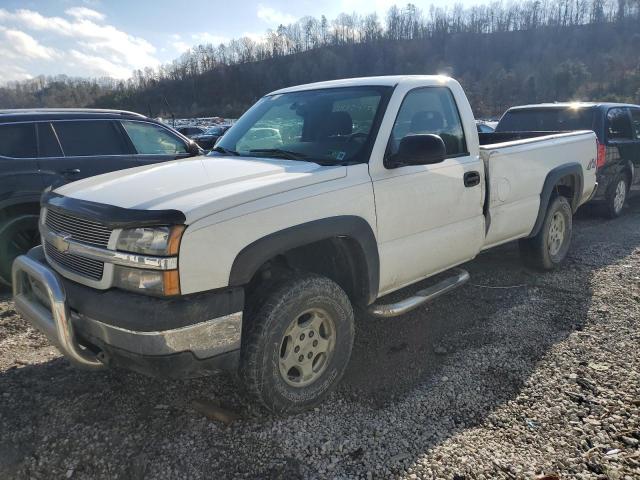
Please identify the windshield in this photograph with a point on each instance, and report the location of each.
(547, 120)
(330, 126)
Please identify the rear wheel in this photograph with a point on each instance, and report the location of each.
(616, 196)
(298, 344)
(17, 236)
(550, 246)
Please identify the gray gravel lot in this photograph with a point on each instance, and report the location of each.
(515, 375)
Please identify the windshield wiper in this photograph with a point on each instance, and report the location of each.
(226, 151)
(289, 155)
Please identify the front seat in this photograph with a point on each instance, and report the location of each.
(336, 123)
(427, 121)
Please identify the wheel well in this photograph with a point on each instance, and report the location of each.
(28, 208)
(341, 259)
(566, 187)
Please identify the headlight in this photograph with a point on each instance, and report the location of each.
(159, 241)
(153, 282)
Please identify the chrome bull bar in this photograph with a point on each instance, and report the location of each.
(34, 286)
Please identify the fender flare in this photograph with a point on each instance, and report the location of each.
(573, 170)
(254, 255)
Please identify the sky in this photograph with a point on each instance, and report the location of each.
(98, 38)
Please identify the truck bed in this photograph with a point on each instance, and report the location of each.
(516, 168)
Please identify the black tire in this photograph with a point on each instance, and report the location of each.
(546, 251)
(613, 205)
(17, 236)
(264, 344)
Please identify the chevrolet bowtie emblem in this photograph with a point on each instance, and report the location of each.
(61, 242)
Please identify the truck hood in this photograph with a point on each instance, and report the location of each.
(217, 183)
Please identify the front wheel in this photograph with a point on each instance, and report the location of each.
(17, 236)
(548, 249)
(298, 344)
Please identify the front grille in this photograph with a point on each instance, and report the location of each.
(86, 267)
(80, 230)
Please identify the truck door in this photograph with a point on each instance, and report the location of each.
(429, 216)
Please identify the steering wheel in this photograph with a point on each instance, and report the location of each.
(353, 136)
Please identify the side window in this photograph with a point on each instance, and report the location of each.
(150, 139)
(635, 119)
(618, 124)
(18, 140)
(48, 145)
(429, 110)
(80, 138)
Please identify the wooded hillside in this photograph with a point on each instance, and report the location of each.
(503, 55)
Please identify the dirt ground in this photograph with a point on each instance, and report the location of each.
(515, 375)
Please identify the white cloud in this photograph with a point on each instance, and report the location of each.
(83, 41)
(84, 12)
(16, 44)
(274, 17)
(12, 73)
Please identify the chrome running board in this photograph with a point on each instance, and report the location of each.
(421, 297)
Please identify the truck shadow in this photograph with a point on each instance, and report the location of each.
(459, 358)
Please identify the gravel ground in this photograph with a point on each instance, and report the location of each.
(516, 375)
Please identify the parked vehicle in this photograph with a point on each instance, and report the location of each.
(40, 148)
(254, 260)
(190, 131)
(484, 127)
(208, 139)
(617, 127)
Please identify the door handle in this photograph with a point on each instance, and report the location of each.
(71, 172)
(471, 179)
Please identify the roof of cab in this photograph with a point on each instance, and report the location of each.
(34, 114)
(572, 105)
(385, 81)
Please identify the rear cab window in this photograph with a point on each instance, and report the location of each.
(82, 138)
(635, 120)
(429, 110)
(548, 119)
(18, 140)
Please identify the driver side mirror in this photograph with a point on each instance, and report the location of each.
(420, 149)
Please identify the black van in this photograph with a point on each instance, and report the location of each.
(617, 127)
(47, 147)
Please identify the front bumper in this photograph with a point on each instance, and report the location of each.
(190, 348)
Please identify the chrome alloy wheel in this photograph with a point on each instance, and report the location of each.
(306, 348)
(620, 196)
(556, 233)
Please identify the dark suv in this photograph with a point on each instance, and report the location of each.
(41, 148)
(617, 127)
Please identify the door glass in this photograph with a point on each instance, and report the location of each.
(48, 145)
(429, 110)
(618, 124)
(90, 138)
(18, 140)
(149, 139)
(635, 119)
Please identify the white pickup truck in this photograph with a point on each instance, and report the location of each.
(320, 198)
